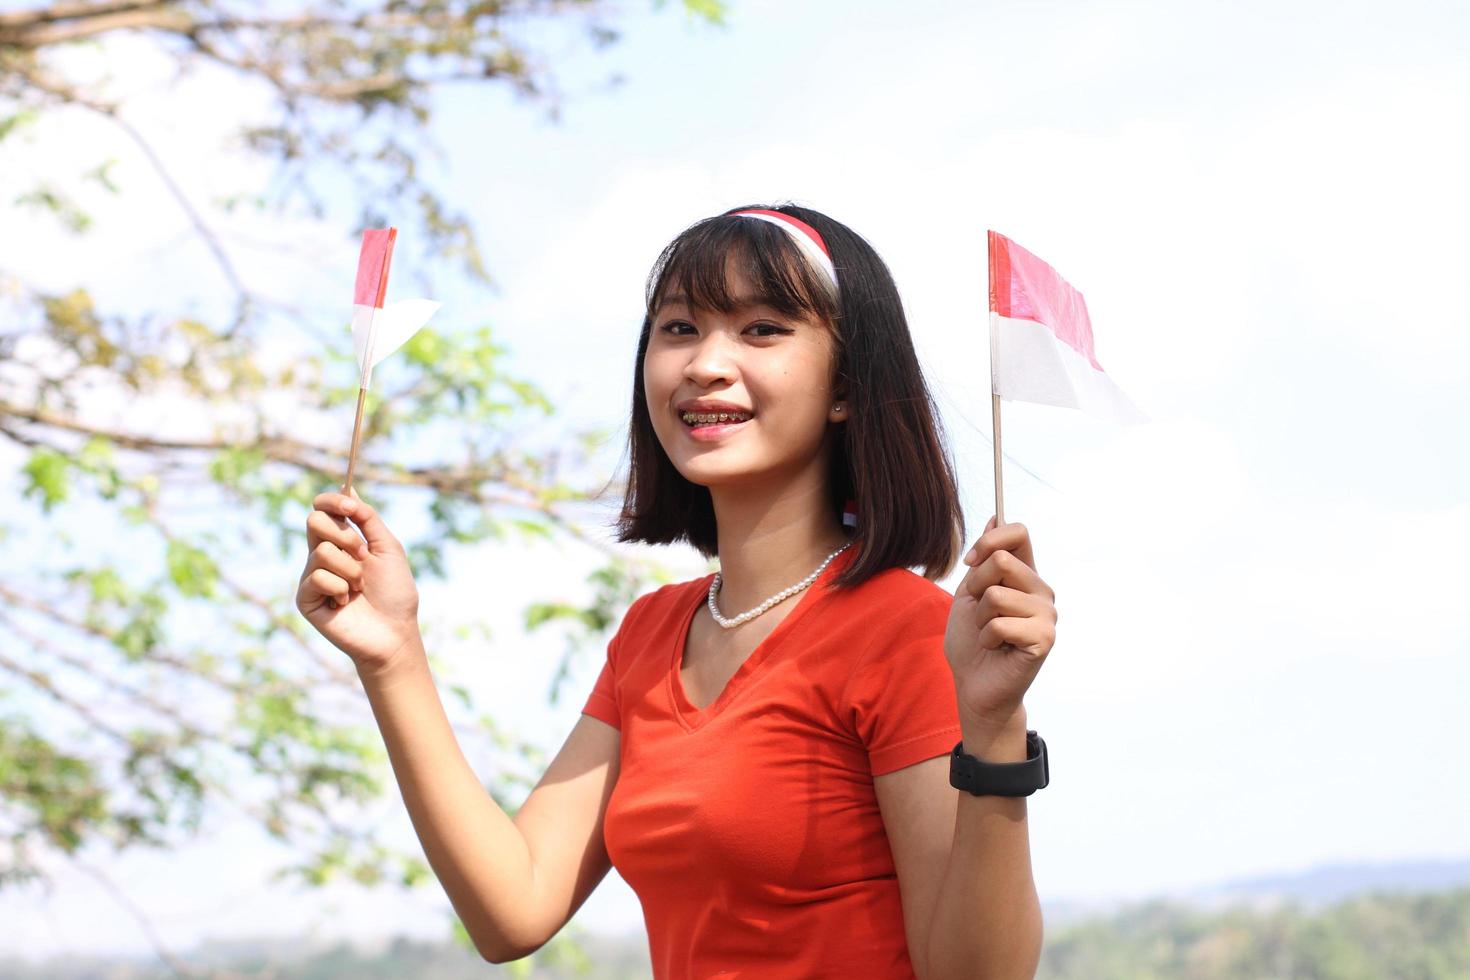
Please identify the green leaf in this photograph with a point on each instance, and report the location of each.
(47, 473)
(108, 586)
(48, 198)
(230, 466)
(191, 569)
(541, 613)
(17, 121)
(425, 348)
(100, 174)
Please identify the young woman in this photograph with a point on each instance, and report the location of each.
(766, 755)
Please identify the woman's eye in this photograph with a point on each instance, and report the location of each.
(675, 327)
(776, 331)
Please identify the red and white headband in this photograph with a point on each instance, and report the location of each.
(803, 234)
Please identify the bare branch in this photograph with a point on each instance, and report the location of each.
(55, 31)
(333, 669)
(329, 465)
(64, 10)
(146, 924)
(43, 682)
(13, 599)
(50, 611)
(65, 93)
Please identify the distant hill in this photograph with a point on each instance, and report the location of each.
(1331, 883)
(1311, 888)
(1387, 935)
(1402, 918)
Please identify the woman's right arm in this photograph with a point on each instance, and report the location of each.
(513, 883)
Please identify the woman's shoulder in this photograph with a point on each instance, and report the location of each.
(666, 597)
(895, 599)
(900, 585)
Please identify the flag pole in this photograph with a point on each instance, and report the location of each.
(995, 426)
(362, 388)
(994, 395)
(356, 440)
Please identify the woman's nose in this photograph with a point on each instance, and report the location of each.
(711, 359)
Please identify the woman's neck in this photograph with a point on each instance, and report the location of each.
(766, 545)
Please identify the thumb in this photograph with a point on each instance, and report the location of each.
(379, 538)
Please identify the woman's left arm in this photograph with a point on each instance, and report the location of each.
(983, 915)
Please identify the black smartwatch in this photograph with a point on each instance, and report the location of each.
(1000, 778)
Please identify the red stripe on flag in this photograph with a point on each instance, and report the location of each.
(1022, 287)
(1000, 273)
(372, 266)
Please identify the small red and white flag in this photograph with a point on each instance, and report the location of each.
(379, 330)
(1041, 339)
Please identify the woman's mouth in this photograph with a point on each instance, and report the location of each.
(706, 426)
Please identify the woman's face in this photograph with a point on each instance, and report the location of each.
(773, 367)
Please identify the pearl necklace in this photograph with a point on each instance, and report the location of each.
(786, 593)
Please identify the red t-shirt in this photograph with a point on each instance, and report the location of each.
(750, 830)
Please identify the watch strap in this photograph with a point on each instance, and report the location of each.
(1001, 778)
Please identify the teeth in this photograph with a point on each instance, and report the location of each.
(695, 418)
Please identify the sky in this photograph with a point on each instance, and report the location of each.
(1262, 639)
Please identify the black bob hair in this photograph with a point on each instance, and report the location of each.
(888, 455)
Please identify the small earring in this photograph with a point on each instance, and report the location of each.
(836, 408)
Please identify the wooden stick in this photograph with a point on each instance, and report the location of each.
(356, 440)
(995, 426)
(994, 360)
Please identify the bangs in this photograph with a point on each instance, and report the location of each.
(696, 267)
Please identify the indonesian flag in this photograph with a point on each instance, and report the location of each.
(1041, 338)
(379, 330)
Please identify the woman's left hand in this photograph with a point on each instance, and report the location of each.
(1001, 626)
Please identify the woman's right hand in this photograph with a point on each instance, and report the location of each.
(358, 594)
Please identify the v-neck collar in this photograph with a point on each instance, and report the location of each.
(692, 718)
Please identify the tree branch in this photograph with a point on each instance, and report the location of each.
(64, 10)
(154, 939)
(13, 599)
(465, 482)
(59, 30)
(334, 672)
(58, 90)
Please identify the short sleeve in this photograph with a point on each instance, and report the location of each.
(900, 697)
(602, 703)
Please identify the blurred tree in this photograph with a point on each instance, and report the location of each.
(1368, 936)
(140, 694)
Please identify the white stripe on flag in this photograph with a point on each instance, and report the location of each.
(1029, 363)
(390, 327)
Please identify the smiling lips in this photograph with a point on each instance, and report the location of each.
(711, 426)
(698, 420)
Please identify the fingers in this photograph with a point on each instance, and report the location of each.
(331, 572)
(322, 583)
(331, 558)
(1018, 633)
(364, 515)
(999, 601)
(1007, 537)
(321, 526)
(1003, 568)
(334, 559)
